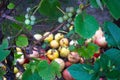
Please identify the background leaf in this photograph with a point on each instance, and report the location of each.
(22, 41)
(85, 25)
(4, 53)
(11, 6)
(111, 34)
(114, 7)
(51, 8)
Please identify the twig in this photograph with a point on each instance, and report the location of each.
(37, 8)
(57, 28)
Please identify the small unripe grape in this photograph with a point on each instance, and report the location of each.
(70, 14)
(69, 20)
(32, 22)
(71, 9)
(65, 17)
(32, 18)
(27, 21)
(67, 9)
(64, 28)
(26, 16)
(28, 9)
(60, 20)
(68, 25)
(79, 11)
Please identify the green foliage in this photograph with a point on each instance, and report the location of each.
(114, 7)
(49, 8)
(108, 65)
(2, 72)
(22, 41)
(93, 3)
(4, 53)
(114, 55)
(99, 4)
(88, 52)
(11, 6)
(42, 70)
(111, 34)
(81, 71)
(85, 25)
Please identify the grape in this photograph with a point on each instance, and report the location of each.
(64, 28)
(71, 9)
(32, 22)
(26, 16)
(67, 9)
(79, 11)
(69, 20)
(70, 14)
(27, 21)
(68, 25)
(60, 20)
(28, 9)
(32, 18)
(65, 17)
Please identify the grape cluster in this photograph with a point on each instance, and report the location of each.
(68, 15)
(29, 19)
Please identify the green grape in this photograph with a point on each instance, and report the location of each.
(65, 17)
(67, 9)
(69, 20)
(70, 14)
(27, 21)
(32, 22)
(26, 16)
(60, 20)
(79, 11)
(28, 9)
(71, 9)
(64, 28)
(68, 25)
(32, 18)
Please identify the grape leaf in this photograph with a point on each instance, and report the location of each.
(42, 70)
(4, 53)
(81, 71)
(28, 75)
(114, 55)
(111, 34)
(22, 41)
(51, 8)
(88, 52)
(53, 69)
(114, 7)
(85, 25)
(93, 3)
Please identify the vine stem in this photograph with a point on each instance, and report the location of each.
(37, 7)
(60, 10)
(17, 22)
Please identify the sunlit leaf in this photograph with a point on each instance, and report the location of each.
(22, 41)
(85, 25)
